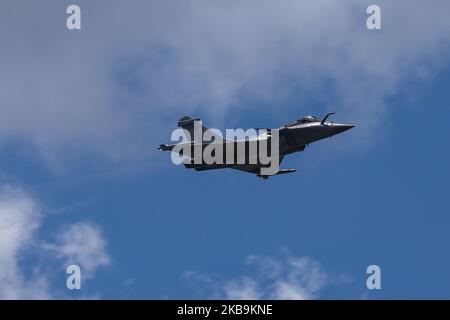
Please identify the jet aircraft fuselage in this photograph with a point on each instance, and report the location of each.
(292, 137)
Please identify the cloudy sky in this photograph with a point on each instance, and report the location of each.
(81, 180)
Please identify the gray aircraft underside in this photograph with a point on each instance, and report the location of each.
(293, 137)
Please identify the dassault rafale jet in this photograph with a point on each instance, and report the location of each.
(292, 137)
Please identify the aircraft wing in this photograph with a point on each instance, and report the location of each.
(256, 168)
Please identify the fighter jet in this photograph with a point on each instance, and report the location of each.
(292, 137)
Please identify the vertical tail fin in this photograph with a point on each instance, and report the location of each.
(187, 123)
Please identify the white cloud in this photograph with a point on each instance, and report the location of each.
(114, 87)
(303, 281)
(242, 289)
(20, 218)
(290, 278)
(82, 244)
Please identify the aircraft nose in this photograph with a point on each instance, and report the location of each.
(340, 127)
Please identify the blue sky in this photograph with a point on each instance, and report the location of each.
(82, 180)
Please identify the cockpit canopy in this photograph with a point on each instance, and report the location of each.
(306, 119)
